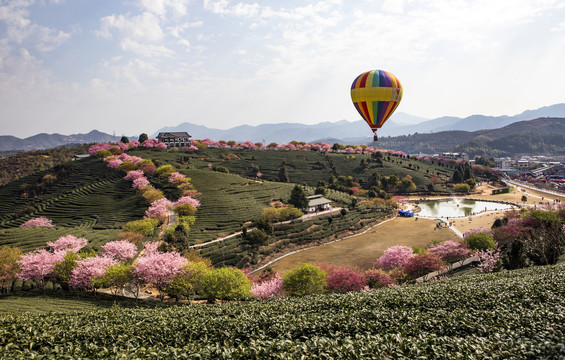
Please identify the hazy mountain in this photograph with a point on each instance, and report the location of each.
(356, 132)
(539, 136)
(47, 141)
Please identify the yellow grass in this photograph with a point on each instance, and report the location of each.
(362, 250)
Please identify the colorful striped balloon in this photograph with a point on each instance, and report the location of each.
(376, 94)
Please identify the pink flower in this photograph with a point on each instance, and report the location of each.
(395, 256)
(68, 243)
(114, 163)
(450, 251)
(344, 280)
(96, 148)
(119, 250)
(159, 209)
(40, 221)
(488, 259)
(140, 182)
(187, 199)
(268, 289)
(89, 269)
(176, 177)
(158, 268)
(39, 264)
(134, 174)
(151, 247)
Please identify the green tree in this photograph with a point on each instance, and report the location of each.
(143, 137)
(480, 241)
(124, 139)
(298, 198)
(178, 238)
(62, 270)
(189, 280)
(116, 277)
(305, 279)
(283, 174)
(9, 265)
(225, 283)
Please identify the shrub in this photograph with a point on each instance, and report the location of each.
(305, 279)
(450, 251)
(461, 188)
(289, 213)
(344, 280)
(377, 278)
(143, 226)
(133, 237)
(188, 280)
(225, 283)
(185, 209)
(164, 170)
(257, 237)
(422, 264)
(394, 256)
(480, 241)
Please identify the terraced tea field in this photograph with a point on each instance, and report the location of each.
(93, 202)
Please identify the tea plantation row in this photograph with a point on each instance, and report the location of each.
(518, 314)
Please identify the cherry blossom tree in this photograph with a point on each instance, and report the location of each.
(395, 256)
(450, 251)
(38, 265)
(176, 177)
(268, 289)
(187, 200)
(40, 221)
(88, 270)
(151, 247)
(140, 182)
(159, 209)
(344, 280)
(119, 250)
(67, 243)
(159, 268)
(134, 174)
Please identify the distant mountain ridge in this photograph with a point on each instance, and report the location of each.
(357, 132)
(48, 141)
(345, 132)
(534, 137)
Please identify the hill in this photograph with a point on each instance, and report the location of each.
(539, 136)
(512, 314)
(48, 141)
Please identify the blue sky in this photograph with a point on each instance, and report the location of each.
(70, 66)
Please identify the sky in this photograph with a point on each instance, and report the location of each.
(133, 66)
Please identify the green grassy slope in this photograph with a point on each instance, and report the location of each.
(94, 202)
(516, 314)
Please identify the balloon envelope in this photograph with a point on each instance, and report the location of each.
(376, 94)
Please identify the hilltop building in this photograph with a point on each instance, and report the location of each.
(317, 203)
(174, 139)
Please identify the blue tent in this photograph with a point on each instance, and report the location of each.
(405, 213)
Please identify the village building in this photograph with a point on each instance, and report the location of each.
(174, 139)
(317, 203)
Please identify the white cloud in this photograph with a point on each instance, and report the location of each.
(144, 27)
(161, 7)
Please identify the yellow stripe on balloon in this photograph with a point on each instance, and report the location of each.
(373, 94)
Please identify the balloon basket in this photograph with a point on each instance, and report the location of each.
(375, 137)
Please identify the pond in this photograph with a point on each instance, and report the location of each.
(458, 207)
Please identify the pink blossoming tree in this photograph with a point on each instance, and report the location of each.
(140, 182)
(268, 289)
(67, 243)
(38, 265)
(40, 221)
(394, 256)
(343, 280)
(159, 268)
(119, 250)
(159, 209)
(88, 270)
(450, 251)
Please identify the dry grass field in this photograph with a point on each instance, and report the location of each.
(361, 250)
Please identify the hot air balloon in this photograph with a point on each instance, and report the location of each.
(376, 94)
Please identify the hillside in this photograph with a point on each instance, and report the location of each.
(512, 314)
(539, 136)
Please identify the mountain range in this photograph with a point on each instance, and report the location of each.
(345, 132)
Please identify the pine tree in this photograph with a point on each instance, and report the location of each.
(298, 198)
